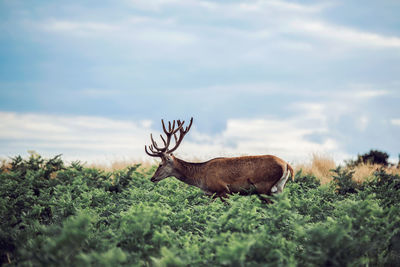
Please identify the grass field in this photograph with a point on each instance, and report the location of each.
(75, 215)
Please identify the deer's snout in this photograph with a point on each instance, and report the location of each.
(154, 180)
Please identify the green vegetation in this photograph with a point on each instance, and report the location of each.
(56, 215)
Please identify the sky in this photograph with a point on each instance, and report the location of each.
(92, 79)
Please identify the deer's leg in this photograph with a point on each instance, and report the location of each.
(223, 196)
(217, 194)
(263, 188)
(221, 191)
(220, 196)
(264, 199)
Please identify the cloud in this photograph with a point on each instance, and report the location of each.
(371, 93)
(248, 6)
(154, 5)
(269, 61)
(207, 34)
(97, 138)
(278, 18)
(287, 139)
(395, 122)
(78, 27)
(77, 137)
(342, 34)
(282, 6)
(128, 30)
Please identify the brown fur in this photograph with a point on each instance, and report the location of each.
(222, 176)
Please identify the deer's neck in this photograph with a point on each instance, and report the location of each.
(188, 172)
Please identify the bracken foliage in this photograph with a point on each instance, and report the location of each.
(57, 215)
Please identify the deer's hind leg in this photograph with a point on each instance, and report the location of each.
(263, 188)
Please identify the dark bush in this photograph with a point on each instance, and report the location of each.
(385, 186)
(372, 157)
(306, 181)
(342, 178)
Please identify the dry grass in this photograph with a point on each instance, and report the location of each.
(121, 164)
(4, 164)
(365, 171)
(320, 167)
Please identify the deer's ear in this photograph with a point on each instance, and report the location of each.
(170, 158)
(164, 158)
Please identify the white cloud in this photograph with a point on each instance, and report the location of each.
(283, 6)
(78, 137)
(284, 138)
(127, 31)
(312, 110)
(280, 17)
(270, 30)
(395, 122)
(259, 5)
(96, 138)
(78, 27)
(349, 36)
(371, 93)
(96, 92)
(154, 5)
(242, 88)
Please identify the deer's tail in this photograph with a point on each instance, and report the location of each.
(291, 171)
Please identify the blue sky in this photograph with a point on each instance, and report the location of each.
(91, 79)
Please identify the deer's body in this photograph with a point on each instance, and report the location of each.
(220, 176)
(245, 175)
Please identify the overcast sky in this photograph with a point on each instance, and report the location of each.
(92, 79)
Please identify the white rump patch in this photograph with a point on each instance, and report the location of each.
(274, 189)
(278, 187)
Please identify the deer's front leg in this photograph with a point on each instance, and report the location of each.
(222, 192)
(222, 196)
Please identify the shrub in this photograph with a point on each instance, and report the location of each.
(343, 179)
(372, 157)
(306, 181)
(386, 187)
(52, 215)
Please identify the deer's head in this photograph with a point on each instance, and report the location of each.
(167, 167)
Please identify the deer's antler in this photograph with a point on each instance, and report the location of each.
(157, 151)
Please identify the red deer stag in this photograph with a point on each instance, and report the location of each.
(265, 174)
